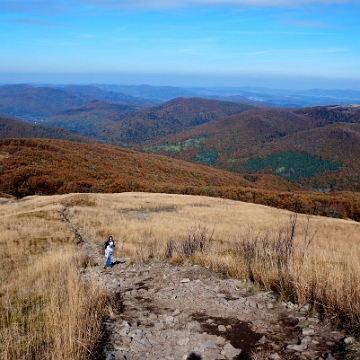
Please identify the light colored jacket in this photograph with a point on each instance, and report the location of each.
(109, 250)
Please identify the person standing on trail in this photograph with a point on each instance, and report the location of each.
(109, 246)
(108, 254)
(108, 241)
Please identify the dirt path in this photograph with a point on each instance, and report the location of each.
(163, 311)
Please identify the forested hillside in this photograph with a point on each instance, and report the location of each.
(134, 127)
(31, 104)
(10, 128)
(46, 167)
(318, 148)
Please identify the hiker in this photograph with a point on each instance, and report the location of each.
(108, 254)
(108, 241)
(109, 245)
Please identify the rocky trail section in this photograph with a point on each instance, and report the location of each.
(165, 311)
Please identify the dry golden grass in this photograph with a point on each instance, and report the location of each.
(231, 237)
(323, 268)
(46, 310)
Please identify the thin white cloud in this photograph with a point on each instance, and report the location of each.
(68, 5)
(311, 24)
(35, 6)
(166, 4)
(35, 22)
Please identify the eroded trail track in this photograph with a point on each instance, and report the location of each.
(165, 311)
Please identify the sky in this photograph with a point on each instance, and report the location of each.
(295, 44)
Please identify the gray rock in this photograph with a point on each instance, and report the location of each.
(125, 331)
(313, 320)
(142, 338)
(207, 345)
(306, 340)
(307, 331)
(230, 352)
(297, 347)
(251, 303)
(349, 340)
(224, 302)
(291, 305)
(305, 308)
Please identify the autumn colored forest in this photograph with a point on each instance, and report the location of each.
(46, 167)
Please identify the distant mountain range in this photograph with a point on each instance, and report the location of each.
(38, 103)
(313, 147)
(110, 96)
(284, 98)
(126, 125)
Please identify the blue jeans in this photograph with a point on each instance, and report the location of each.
(108, 260)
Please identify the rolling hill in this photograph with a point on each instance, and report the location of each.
(91, 119)
(44, 166)
(10, 128)
(157, 94)
(134, 127)
(109, 96)
(35, 104)
(310, 142)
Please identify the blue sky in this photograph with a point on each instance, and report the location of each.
(291, 44)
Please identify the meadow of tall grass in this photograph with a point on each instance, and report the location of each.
(47, 310)
(306, 259)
